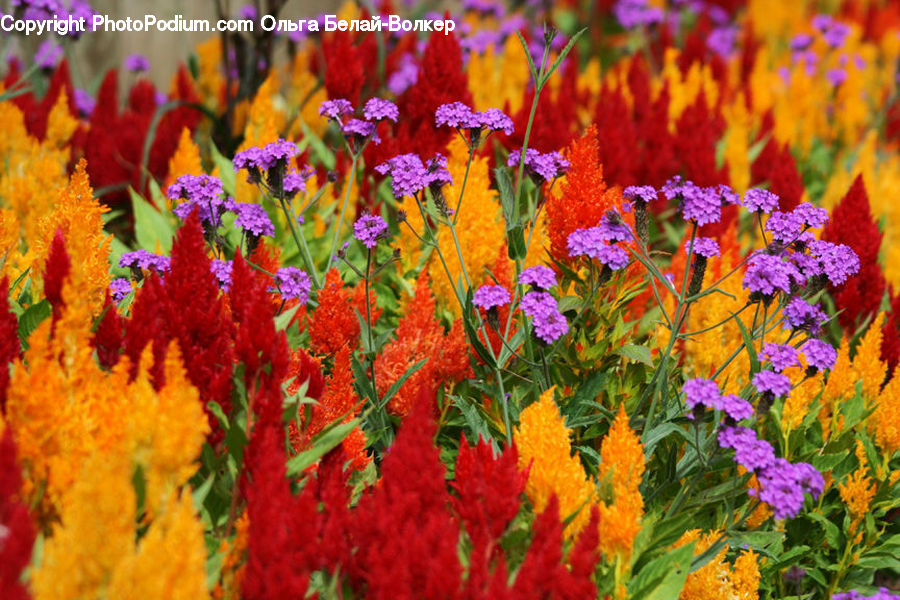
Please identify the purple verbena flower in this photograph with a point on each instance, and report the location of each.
(119, 288)
(359, 130)
(589, 242)
(781, 356)
(335, 109)
(777, 384)
(496, 120)
(143, 259)
(408, 174)
(490, 296)
(700, 392)
(812, 216)
(784, 227)
(368, 229)
(201, 192)
(253, 219)
(377, 109)
(837, 261)
(820, 355)
(836, 76)
(750, 452)
(703, 246)
(48, 54)
(550, 326)
(84, 102)
(137, 63)
(767, 274)
(295, 182)
(457, 115)
(539, 276)
(613, 229)
(780, 488)
(735, 407)
(645, 193)
(222, 271)
(293, 283)
(541, 167)
(760, 200)
(800, 314)
(635, 13)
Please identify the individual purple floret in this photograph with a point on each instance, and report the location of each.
(368, 229)
(253, 219)
(408, 173)
(119, 288)
(84, 102)
(812, 216)
(767, 274)
(735, 407)
(358, 131)
(613, 229)
(727, 196)
(490, 296)
(820, 355)
(458, 115)
(838, 262)
(703, 246)
(496, 120)
(143, 259)
(701, 206)
(836, 34)
(222, 270)
(644, 193)
(784, 227)
(48, 54)
(781, 356)
(335, 109)
(800, 314)
(701, 392)
(377, 109)
(760, 200)
(436, 173)
(539, 276)
(777, 384)
(137, 63)
(541, 167)
(293, 283)
(750, 452)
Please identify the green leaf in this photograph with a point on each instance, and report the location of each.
(505, 187)
(399, 383)
(563, 54)
(31, 318)
(664, 577)
(636, 353)
(515, 239)
(150, 226)
(832, 533)
(531, 67)
(748, 345)
(322, 444)
(284, 319)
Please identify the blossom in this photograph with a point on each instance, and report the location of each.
(812, 216)
(541, 166)
(750, 452)
(700, 205)
(549, 324)
(784, 227)
(783, 484)
(735, 407)
(644, 193)
(703, 246)
(837, 261)
(293, 283)
(48, 54)
(408, 174)
(820, 355)
(701, 392)
(253, 219)
(295, 182)
(800, 314)
(201, 192)
(142, 259)
(540, 277)
(612, 229)
(119, 288)
(222, 270)
(456, 114)
(335, 109)
(496, 120)
(360, 130)
(271, 158)
(767, 274)
(781, 356)
(137, 63)
(368, 229)
(760, 200)
(589, 242)
(490, 296)
(777, 384)
(377, 109)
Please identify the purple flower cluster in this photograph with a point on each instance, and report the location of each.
(202, 192)
(490, 296)
(801, 315)
(137, 63)
(460, 116)
(540, 166)
(643, 193)
(359, 130)
(837, 262)
(783, 484)
(819, 355)
(703, 246)
(410, 176)
(222, 271)
(272, 159)
(377, 109)
(119, 288)
(760, 200)
(540, 277)
(882, 594)
(784, 227)
(368, 229)
(549, 324)
(781, 356)
(636, 13)
(767, 274)
(777, 384)
(293, 283)
(700, 205)
(750, 452)
(253, 219)
(295, 182)
(335, 109)
(704, 392)
(813, 216)
(143, 259)
(613, 229)
(590, 242)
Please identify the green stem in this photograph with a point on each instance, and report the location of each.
(299, 240)
(340, 222)
(371, 352)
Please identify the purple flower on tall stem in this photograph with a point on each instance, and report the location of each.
(539, 166)
(119, 288)
(777, 384)
(137, 63)
(293, 283)
(819, 355)
(377, 109)
(335, 109)
(490, 296)
(540, 277)
(760, 200)
(781, 356)
(368, 229)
